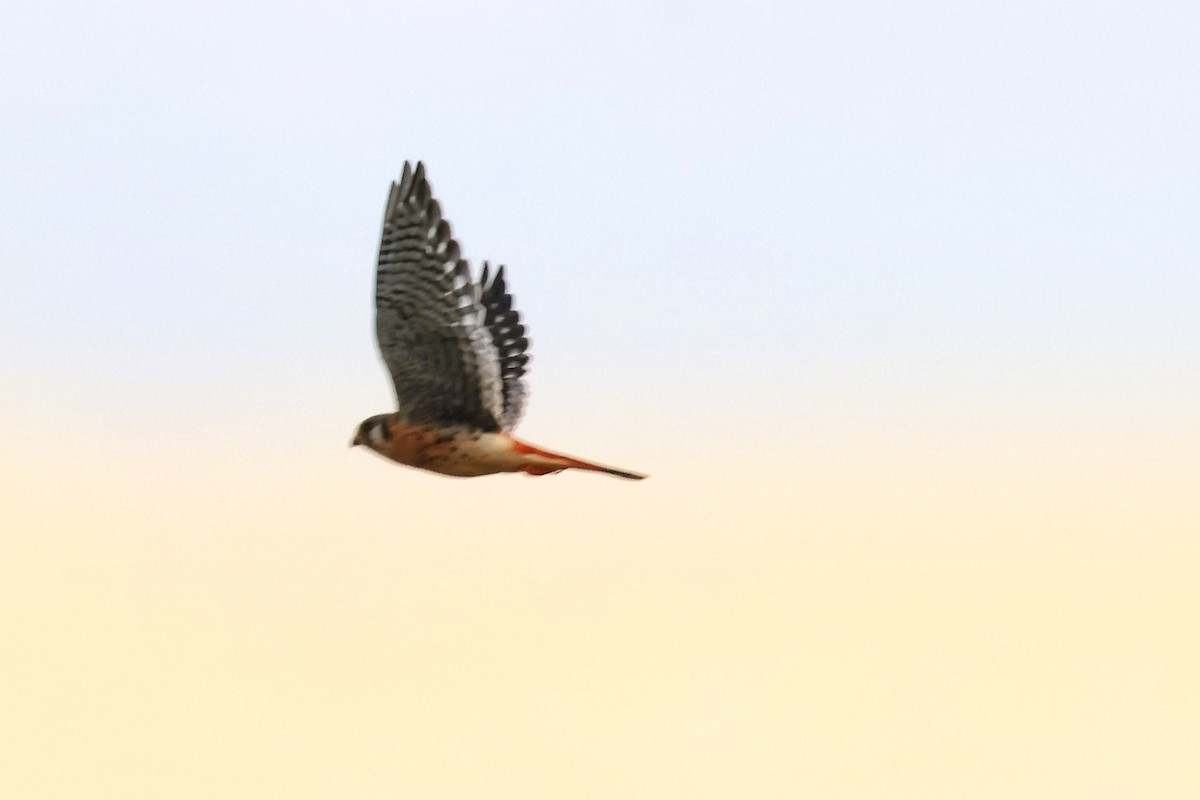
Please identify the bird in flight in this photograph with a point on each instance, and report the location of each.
(456, 350)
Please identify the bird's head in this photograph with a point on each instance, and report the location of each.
(372, 432)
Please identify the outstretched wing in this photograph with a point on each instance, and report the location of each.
(429, 316)
(508, 336)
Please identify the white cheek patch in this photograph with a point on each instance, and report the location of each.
(375, 434)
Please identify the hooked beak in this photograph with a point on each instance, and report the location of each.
(356, 441)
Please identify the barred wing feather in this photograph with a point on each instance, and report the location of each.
(430, 317)
(512, 345)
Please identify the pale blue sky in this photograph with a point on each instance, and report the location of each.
(756, 203)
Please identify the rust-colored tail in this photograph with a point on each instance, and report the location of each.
(544, 462)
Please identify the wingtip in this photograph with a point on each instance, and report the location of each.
(410, 177)
(491, 280)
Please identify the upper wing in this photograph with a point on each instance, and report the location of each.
(508, 335)
(429, 317)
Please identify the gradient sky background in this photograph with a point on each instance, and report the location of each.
(896, 303)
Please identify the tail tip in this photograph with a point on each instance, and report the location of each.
(629, 476)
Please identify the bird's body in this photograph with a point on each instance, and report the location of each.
(455, 349)
(466, 452)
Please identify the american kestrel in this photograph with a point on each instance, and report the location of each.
(455, 348)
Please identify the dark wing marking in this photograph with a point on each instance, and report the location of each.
(429, 318)
(508, 335)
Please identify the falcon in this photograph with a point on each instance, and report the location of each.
(456, 350)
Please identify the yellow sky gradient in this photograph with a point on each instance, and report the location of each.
(954, 622)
